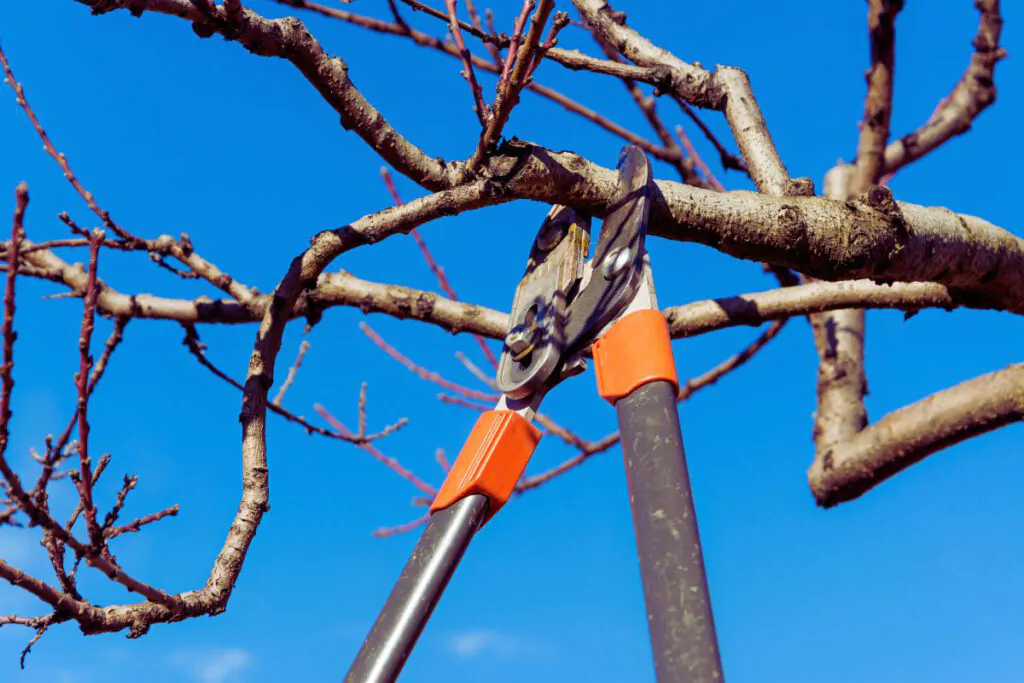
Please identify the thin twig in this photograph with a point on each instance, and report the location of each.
(292, 372)
(422, 372)
(482, 112)
(510, 86)
(134, 526)
(698, 161)
(436, 269)
(84, 479)
(198, 350)
(60, 158)
(392, 463)
(402, 528)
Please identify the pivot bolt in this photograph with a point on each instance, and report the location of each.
(615, 262)
(521, 340)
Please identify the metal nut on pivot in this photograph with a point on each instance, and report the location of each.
(614, 262)
(521, 340)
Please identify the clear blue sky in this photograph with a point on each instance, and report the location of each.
(918, 580)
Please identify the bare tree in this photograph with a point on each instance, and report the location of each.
(855, 247)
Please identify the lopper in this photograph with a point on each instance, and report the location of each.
(564, 306)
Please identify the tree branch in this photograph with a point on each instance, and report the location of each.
(974, 92)
(289, 39)
(910, 434)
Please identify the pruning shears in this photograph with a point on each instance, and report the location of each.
(563, 306)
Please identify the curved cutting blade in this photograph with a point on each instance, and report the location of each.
(616, 271)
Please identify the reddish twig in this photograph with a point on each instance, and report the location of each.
(513, 46)
(476, 371)
(482, 112)
(727, 158)
(13, 256)
(60, 158)
(536, 480)
(560, 21)
(463, 403)
(491, 45)
(706, 379)
(292, 371)
(402, 528)
(436, 269)
(442, 460)
(8, 334)
(691, 151)
(134, 526)
(392, 463)
(130, 482)
(44, 624)
(515, 76)
(84, 479)
(55, 450)
(422, 372)
(198, 350)
(55, 547)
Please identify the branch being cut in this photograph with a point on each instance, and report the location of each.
(342, 289)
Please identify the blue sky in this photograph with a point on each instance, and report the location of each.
(918, 580)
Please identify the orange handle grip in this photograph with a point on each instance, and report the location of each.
(636, 350)
(491, 461)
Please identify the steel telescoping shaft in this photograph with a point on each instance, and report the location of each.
(417, 592)
(671, 562)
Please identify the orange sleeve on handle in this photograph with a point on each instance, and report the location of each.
(491, 461)
(636, 350)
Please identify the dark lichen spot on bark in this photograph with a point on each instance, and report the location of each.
(793, 230)
(425, 305)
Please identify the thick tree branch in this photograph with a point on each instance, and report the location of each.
(839, 339)
(910, 434)
(874, 132)
(839, 335)
(756, 308)
(871, 236)
(691, 81)
(728, 90)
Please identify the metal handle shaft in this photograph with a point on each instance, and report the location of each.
(417, 592)
(671, 563)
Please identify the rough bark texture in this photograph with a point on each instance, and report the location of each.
(858, 246)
